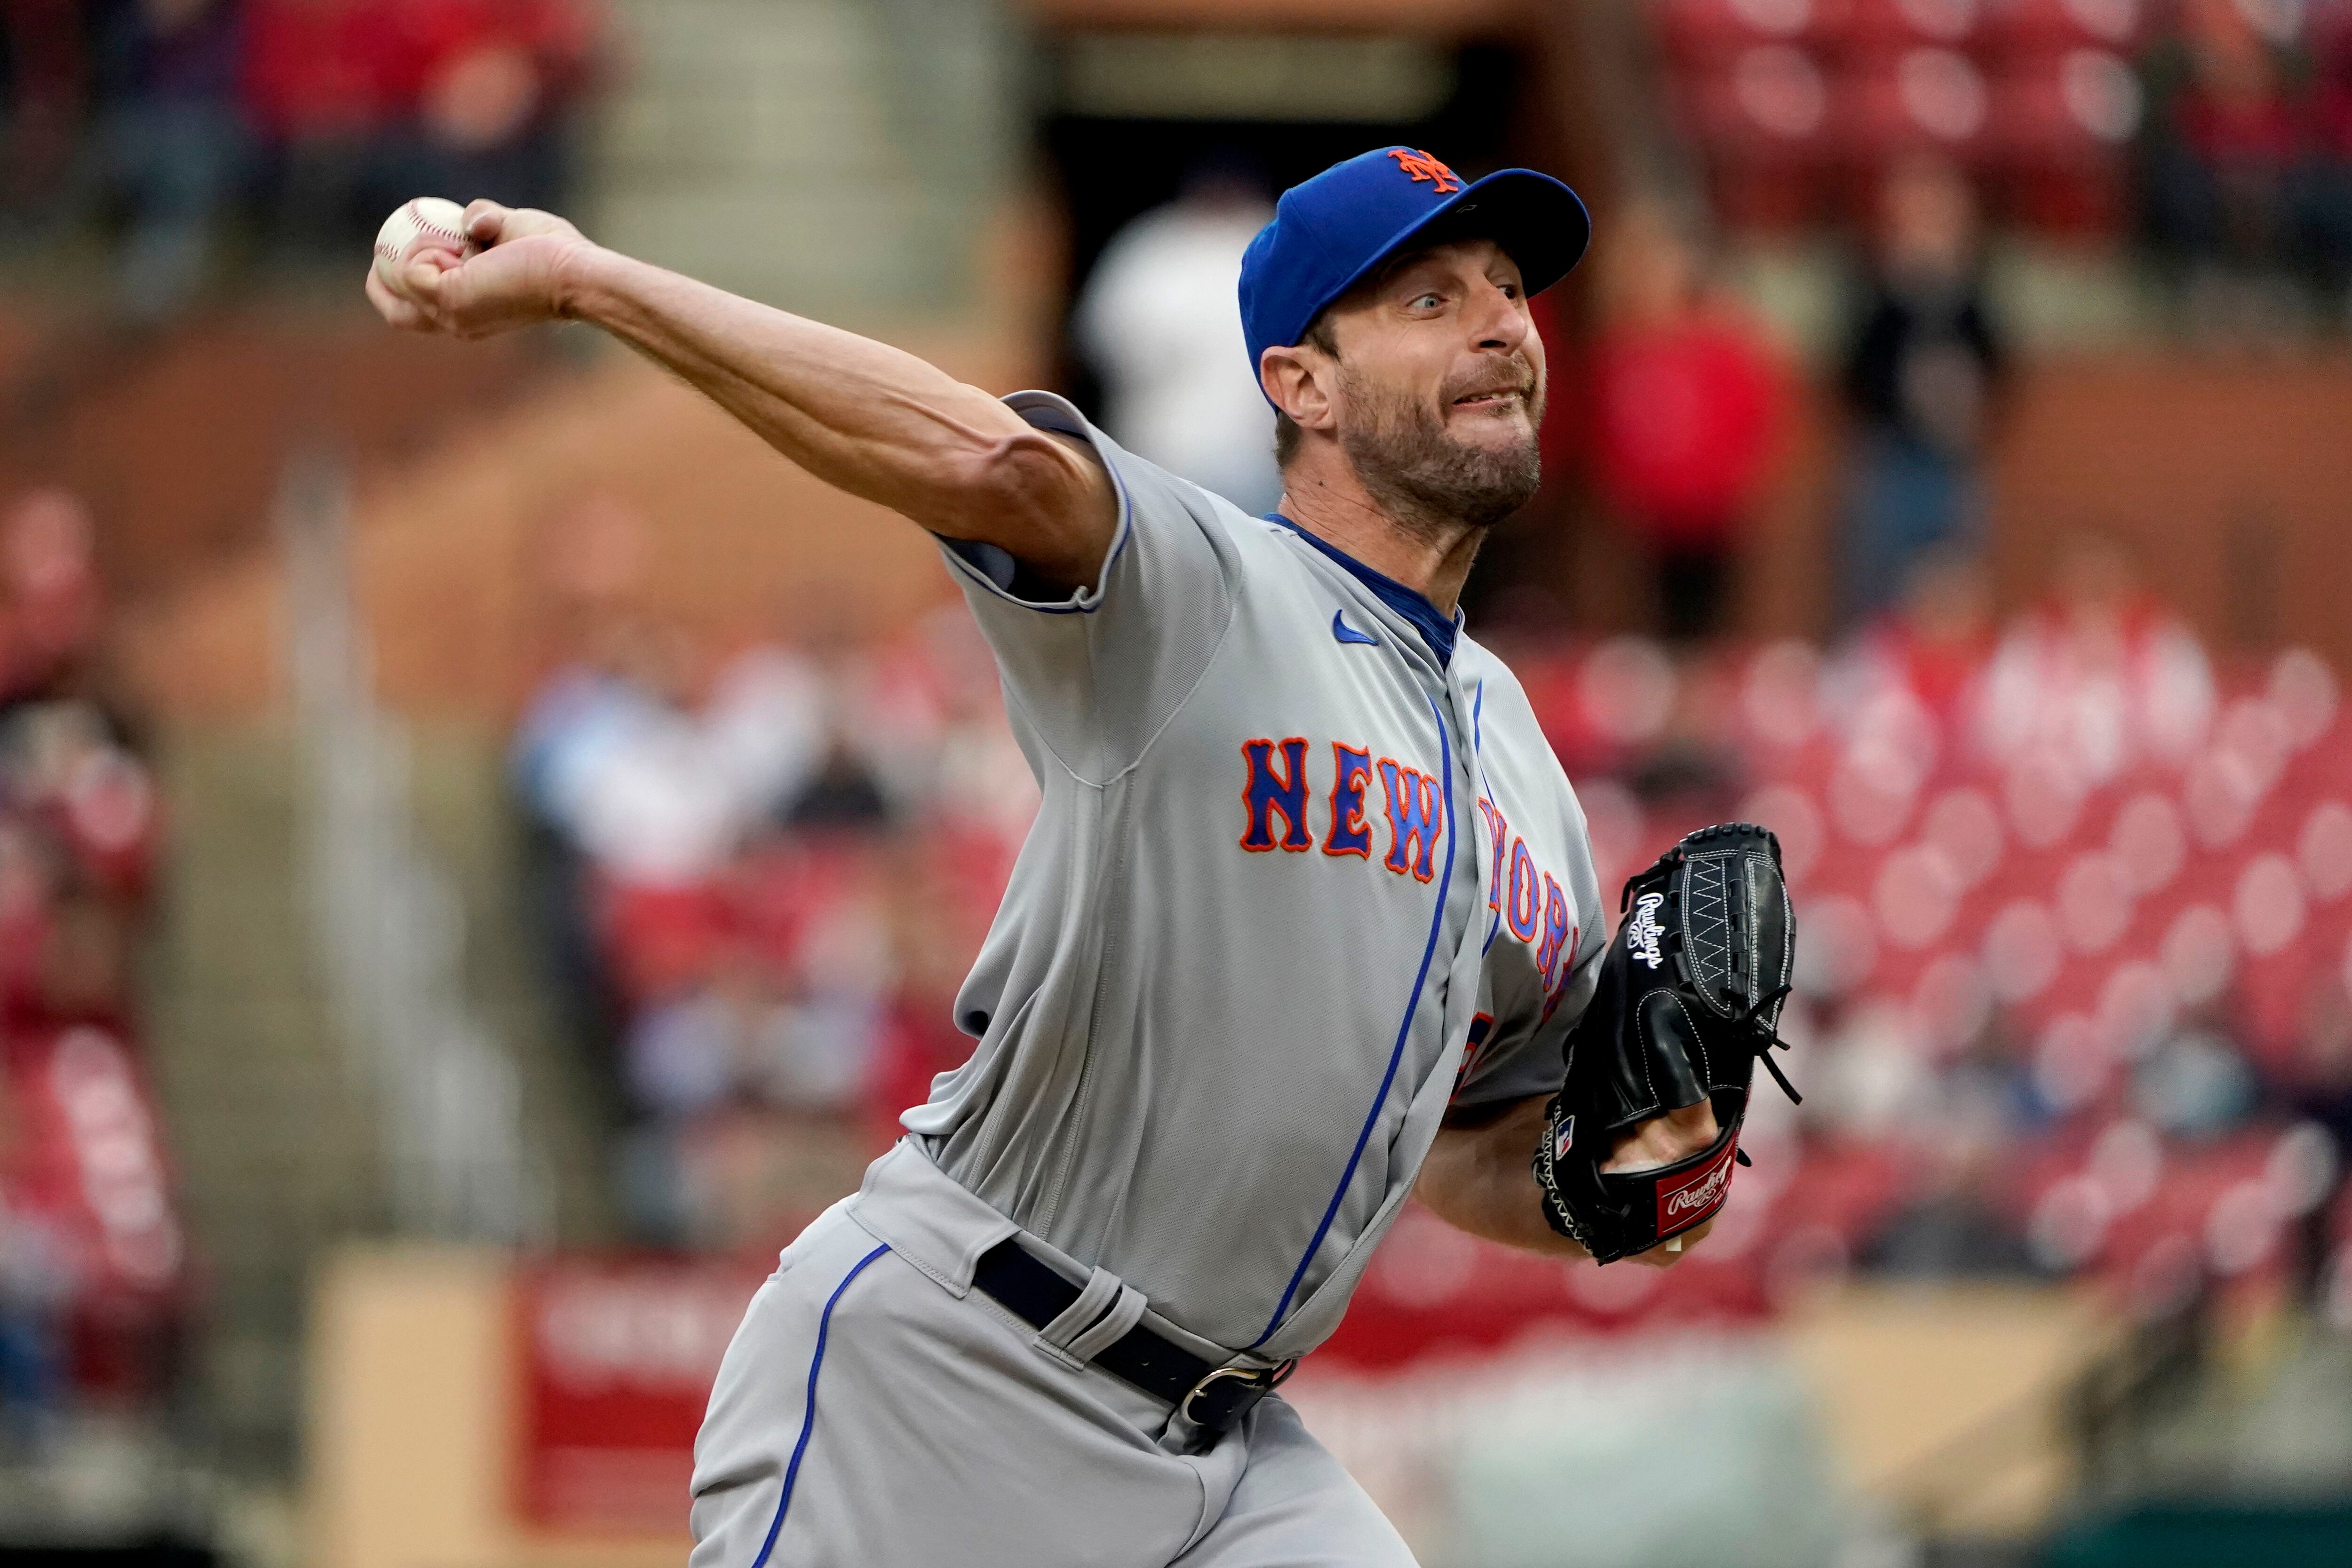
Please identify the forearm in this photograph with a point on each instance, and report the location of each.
(870, 419)
(1479, 1177)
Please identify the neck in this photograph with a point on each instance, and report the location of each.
(1431, 556)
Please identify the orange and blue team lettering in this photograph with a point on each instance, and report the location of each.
(1556, 929)
(1415, 807)
(1525, 906)
(1499, 831)
(1264, 795)
(1275, 788)
(1352, 774)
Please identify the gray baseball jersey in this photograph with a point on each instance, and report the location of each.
(1305, 870)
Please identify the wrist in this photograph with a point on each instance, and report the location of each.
(581, 285)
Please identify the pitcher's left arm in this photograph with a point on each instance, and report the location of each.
(1479, 1177)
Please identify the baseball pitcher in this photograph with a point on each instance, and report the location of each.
(1304, 927)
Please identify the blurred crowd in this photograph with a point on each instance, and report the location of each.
(2075, 985)
(2076, 936)
(2219, 132)
(764, 871)
(183, 127)
(1675, 413)
(92, 1259)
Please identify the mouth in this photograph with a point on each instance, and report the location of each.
(1494, 397)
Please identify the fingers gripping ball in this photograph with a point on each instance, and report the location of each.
(1687, 1002)
(426, 222)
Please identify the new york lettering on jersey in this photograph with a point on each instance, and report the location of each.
(1283, 806)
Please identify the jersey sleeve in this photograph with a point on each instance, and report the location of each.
(1526, 1060)
(1098, 672)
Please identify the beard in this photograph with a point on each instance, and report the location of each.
(1425, 479)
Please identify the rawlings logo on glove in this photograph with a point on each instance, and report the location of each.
(1643, 933)
(1715, 938)
(1684, 1204)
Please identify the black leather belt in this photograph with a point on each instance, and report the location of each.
(1212, 1397)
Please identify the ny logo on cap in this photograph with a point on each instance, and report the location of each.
(1424, 168)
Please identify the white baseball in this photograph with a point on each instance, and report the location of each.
(426, 222)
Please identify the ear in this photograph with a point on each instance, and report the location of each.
(1298, 379)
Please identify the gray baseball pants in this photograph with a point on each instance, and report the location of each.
(874, 1411)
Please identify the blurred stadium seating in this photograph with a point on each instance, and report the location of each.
(2072, 887)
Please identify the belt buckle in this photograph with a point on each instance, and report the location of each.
(1260, 1381)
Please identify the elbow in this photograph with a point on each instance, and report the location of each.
(1029, 495)
(979, 488)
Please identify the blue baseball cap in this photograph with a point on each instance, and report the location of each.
(1330, 232)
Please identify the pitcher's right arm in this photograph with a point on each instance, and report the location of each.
(861, 415)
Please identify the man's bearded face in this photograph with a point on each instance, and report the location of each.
(1420, 465)
(1441, 387)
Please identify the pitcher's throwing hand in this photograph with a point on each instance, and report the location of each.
(514, 278)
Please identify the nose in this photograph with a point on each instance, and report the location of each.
(1499, 320)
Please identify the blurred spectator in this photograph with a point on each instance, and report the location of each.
(1929, 653)
(484, 89)
(840, 793)
(591, 556)
(2325, 188)
(2318, 1082)
(736, 873)
(37, 1289)
(1988, 1110)
(1160, 324)
(655, 789)
(48, 90)
(2223, 145)
(315, 94)
(2099, 676)
(49, 622)
(363, 104)
(88, 1293)
(637, 796)
(1686, 401)
(1922, 370)
(2194, 1082)
(171, 140)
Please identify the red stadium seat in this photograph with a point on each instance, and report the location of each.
(2043, 27)
(1879, 27)
(1766, 121)
(2061, 127)
(1704, 35)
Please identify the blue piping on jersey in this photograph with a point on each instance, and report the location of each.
(1396, 1052)
(1478, 752)
(808, 1416)
(1436, 628)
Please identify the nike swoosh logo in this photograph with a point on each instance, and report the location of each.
(1347, 634)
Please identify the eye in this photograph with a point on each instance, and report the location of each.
(1426, 299)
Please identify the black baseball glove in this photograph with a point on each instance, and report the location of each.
(1687, 1002)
